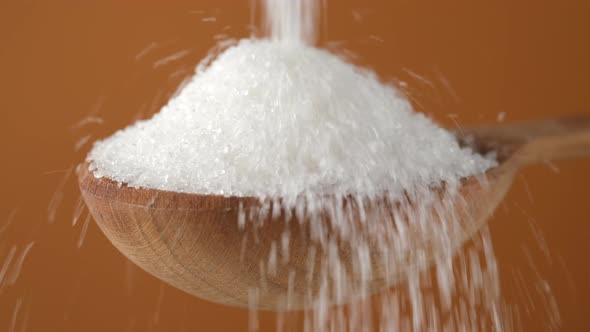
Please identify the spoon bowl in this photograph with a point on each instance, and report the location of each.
(195, 243)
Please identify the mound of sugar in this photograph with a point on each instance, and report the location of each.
(275, 118)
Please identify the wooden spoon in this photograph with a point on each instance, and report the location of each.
(194, 242)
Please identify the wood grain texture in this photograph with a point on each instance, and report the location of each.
(194, 243)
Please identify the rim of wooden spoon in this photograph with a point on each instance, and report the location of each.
(509, 141)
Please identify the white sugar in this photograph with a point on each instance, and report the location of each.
(322, 141)
(275, 118)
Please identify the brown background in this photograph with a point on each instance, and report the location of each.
(63, 60)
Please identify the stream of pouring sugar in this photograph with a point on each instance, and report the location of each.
(459, 292)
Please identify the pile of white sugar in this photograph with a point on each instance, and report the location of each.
(278, 118)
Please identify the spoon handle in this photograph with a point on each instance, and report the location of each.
(537, 141)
